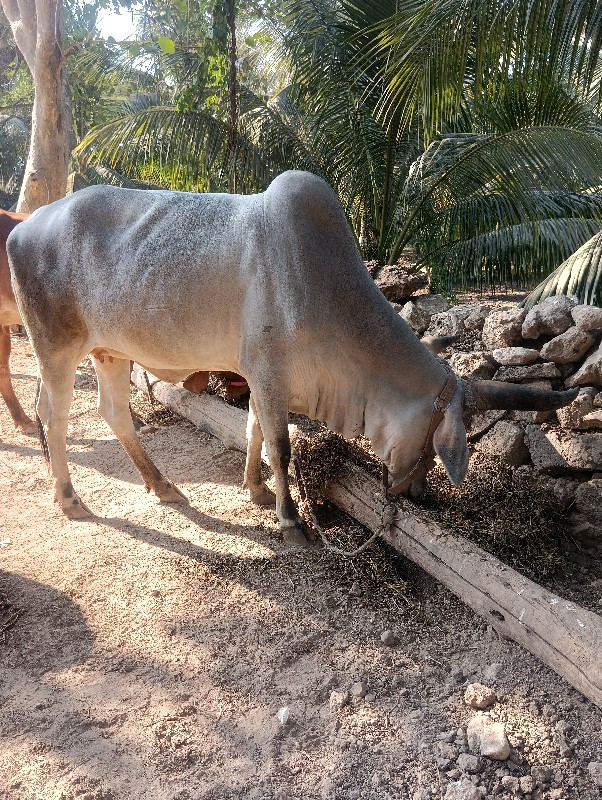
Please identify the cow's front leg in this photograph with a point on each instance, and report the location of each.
(15, 409)
(55, 392)
(272, 414)
(253, 481)
(113, 404)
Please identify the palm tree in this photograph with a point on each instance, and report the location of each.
(508, 96)
(467, 127)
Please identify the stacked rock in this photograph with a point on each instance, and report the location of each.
(557, 344)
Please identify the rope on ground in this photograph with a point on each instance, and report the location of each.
(9, 614)
(388, 514)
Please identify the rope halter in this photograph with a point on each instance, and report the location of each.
(426, 458)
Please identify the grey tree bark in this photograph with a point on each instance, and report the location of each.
(38, 27)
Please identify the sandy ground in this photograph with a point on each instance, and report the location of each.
(156, 645)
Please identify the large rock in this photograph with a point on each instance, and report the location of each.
(416, 318)
(560, 451)
(532, 373)
(476, 319)
(588, 501)
(432, 303)
(464, 311)
(397, 283)
(590, 372)
(568, 347)
(505, 441)
(515, 356)
(588, 318)
(472, 365)
(503, 328)
(592, 421)
(445, 324)
(571, 416)
(550, 317)
(563, 489)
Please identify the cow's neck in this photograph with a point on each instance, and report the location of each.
(368, 389)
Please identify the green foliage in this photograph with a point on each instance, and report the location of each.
(580, 275)
(467, 127)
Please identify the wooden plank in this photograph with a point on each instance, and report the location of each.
(563, 635)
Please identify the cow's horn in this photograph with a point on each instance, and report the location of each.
(438, 343)
(483, 395)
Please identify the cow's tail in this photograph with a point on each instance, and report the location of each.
(40, 424)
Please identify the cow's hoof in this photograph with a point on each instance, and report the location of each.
(298, 536)
(262, 496)
(28, 427)
(169, 493)
(73, 508)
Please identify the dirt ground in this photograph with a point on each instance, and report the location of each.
(157, 647)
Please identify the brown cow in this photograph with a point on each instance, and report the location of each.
(9, 315)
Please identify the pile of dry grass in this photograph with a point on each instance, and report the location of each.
(506, 511)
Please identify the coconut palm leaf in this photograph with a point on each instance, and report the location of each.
(427, 52)
(178, 149)
(502, 207)
(580, 275)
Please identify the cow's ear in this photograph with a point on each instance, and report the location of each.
(450, 444)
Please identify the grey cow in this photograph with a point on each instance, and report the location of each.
(270, 286)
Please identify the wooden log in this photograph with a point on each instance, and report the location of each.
(208, 412)
(563, 635)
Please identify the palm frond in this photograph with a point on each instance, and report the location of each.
(181, 149)
(580, 275)
(521, 202)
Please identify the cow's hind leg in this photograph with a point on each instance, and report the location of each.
(20, 418)
(113, 404)
(272, 413)
(55, 392)
(258, 491)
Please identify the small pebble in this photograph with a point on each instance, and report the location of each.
(464, 789)
(338, 700)
(541, 776)
(468, 763)
(511, 784)
(388, 638)
(595, 772)
(479, 696)
(359, 689)
(488, 738)
(526, 784)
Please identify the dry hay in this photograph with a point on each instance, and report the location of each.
(151, 412)
(508, 512)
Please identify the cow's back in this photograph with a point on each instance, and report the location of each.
(157, 274)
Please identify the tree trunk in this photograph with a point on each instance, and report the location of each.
(232, 94)
(38, 27)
